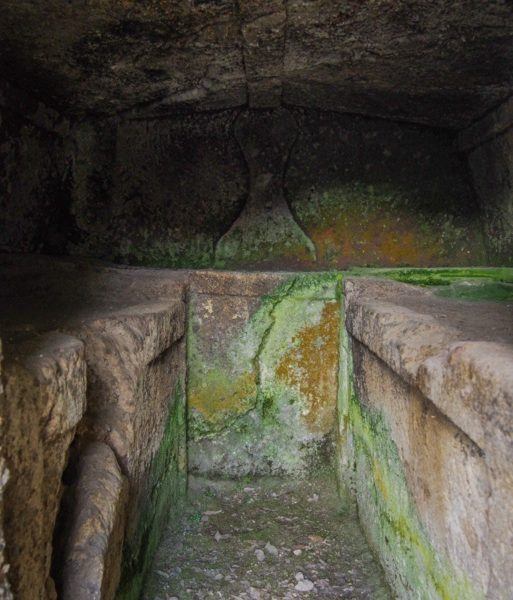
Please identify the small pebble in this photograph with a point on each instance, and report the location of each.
(305, 585)
(260, 555)
(297, 552)
(162, 574)
(271, 549)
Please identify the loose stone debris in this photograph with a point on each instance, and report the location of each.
(265, 542)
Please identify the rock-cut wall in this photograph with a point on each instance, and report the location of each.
(261, 189)
(35, 175)
(488, 145)
(425, 437)
(290, 189)
(262, 372)
(93, 416)
(127, 378)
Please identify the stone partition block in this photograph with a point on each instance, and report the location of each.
(422, 487)
(263, 366)
(137, 372)
(121, 353)
(44, 399)
(131, 323)
(427, 432)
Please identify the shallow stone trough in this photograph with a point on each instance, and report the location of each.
(119, 384)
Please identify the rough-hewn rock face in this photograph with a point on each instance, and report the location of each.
(44, 399)
(5, 588)
(263, 364)
(368, 192)
(176, 193)
(428, 429)
(265, 232)
(416, 60)
(183, 181)
(130, 333)
(153, 171)
(34, 175)
(489, 146)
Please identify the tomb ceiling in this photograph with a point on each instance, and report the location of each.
(428, 61)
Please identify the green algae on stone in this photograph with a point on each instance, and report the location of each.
(221, 384)
(439, 276)
(274, 422)
(469, 283)
(478, 290)
(344, 391)
(390, 516)
(262, 238)
(370, 224)
(166, 489)
(372, 469)
(194, 253)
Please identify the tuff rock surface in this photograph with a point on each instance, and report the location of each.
(387, 58)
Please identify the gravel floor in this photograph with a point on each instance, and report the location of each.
(265, 539)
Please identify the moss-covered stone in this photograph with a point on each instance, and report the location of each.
(370, 465)
(372, 225)
(264, 239)
(478, 290)
(166, 490)
(443, 276)
(195, 253)
(262, 399)
(469, 283)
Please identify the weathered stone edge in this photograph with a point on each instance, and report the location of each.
(470, 382)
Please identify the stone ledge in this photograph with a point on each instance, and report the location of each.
(130, 321)
(472, 383)
(57, 363)
(118, 352)
(88, 285)
(469, 380)
(235, 283)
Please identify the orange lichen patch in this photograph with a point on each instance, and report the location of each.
(311, 366)
(218, 396)
(383, 239)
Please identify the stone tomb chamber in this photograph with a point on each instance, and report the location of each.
(256, 299)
